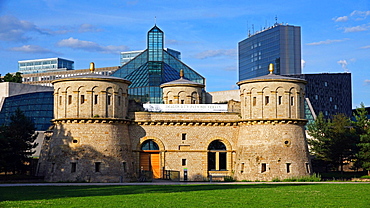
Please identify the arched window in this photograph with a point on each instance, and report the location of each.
(149, 145)
(217, 156)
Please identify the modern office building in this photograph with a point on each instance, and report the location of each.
(36, 102)
(329, 93)
(44, 65)
(129, 55)
(46, 77)
(279, 45)
(153, 67)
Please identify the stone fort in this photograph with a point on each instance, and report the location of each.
(95, 136)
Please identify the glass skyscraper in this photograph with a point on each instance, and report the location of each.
(153, 67)
(279, 44)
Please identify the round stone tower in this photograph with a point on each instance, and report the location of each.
(272, 141)
(90, 139)
(182, 91)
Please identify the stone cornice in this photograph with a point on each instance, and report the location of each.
(301, 122)
(92, 120)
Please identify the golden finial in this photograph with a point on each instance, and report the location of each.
(271, 68)
(181, 73)
(92, 67)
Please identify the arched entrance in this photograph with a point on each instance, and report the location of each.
(149, 158)
(217, 156)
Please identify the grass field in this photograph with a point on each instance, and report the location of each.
(212, 195)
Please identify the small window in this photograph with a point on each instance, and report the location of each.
(331, 99)
(82, 99)
(254, 101)
(183, 162)
(109, 99)
(183, 136)
(242, 168)
(52, 167)
(97, 166)
(263, 167)
(95, 99)
(280, 100)
(267, 100)
(316, 97)
(292, 100)
(60, 100)
(182, 101)
(308, 168)
(119, 100)
(170, 102)
(69, 99)
(288, 167)
(124, 167)
(326, 84)
(73, 167)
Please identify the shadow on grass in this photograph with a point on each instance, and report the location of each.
(53, 192)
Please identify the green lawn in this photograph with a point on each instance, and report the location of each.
(212, 195)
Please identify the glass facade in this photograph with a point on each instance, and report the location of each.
(38, 106)
(153, 67)
(280, 45)
(44, 65)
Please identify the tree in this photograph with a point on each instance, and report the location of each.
(333, 141)
(13, 78)
(19, 137)
(363, 131)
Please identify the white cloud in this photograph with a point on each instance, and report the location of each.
(31, 49)
(13, 29)
(90, 46)
(341, 19)
(356, 28)
(361, 15)
(344, 64)
(215, 53)
(327, 42)
(230, 68)
(365, 47)
(303, 63)
(88, 28)
(367, 81)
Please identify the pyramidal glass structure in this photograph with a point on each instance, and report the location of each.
(153, 67)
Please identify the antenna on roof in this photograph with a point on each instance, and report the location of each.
(155, 20)
(275, 19)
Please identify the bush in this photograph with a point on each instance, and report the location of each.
(312, 178)
(229, 179)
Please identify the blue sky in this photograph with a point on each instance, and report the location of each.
(335, 34)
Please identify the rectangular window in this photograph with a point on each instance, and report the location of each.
(242, 168)
(69, 99)
(308, 168)
(288, 167)
(254, 101)
(267, 100)
(82, 99)
(183, 162)
(95, 99)
(183, 136)
(124, 167)
(73, 167)
(182, 101)
(97, 166)
(119, 100)
(292, 100)
(60, 100)
(280, 100)
(109, 100)
(263, 167)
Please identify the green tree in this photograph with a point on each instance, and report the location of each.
(363, 132)
(332, 141)
(19, 137)
(13, 78)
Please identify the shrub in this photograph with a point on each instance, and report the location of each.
(312, 178)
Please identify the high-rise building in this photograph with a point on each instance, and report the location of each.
(44, 65)
(329, 93)
(153, 67)
(279, 44)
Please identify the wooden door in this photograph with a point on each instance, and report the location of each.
(150, 162)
